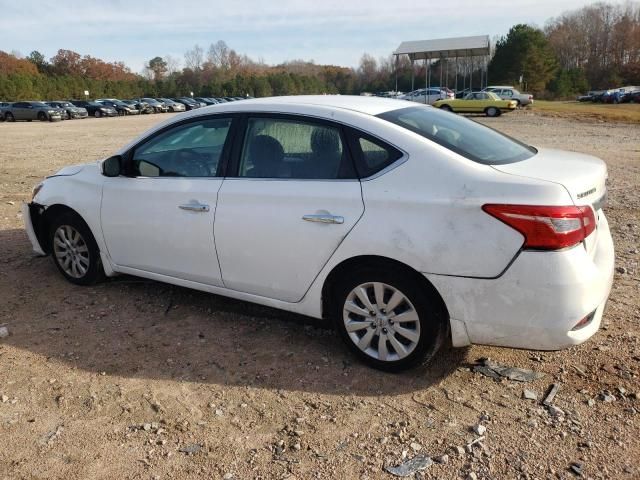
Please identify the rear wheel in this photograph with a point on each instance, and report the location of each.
(97, 114)
(446, 108)
(42, 116)
(492, 112)
(9, 117)
(74, 250)
(387, 318)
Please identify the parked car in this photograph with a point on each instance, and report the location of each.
(466, 91)
(95, 109)
(189, 103)
(142, 107)
(428, 226)
(158, 107)
(172, 105)
(119, 106)
(478, 102)
(206, 101)
(3, 108)
(70, 108)
(631, 97)
(31, 111)
(510, 93)
(423, 95)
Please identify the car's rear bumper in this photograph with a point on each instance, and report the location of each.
(537, 301)
(27, 210)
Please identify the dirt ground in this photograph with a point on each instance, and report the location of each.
(137, 379)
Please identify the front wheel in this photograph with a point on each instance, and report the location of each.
(492, 112)
(446, 108)
(387, 318)
(74, 250)
(42, 116)
(97, 114)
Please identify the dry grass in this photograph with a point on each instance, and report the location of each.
(626, 112)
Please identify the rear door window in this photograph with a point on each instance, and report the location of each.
(294, 149)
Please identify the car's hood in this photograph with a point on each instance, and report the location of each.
(68, 171)
(582, 175)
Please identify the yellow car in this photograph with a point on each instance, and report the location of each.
(478, 102)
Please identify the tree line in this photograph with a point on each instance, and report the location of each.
(597, 46)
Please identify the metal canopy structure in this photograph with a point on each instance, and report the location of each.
(445, 49)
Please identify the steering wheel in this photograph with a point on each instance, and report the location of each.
(189, 163)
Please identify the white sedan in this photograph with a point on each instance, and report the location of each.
(403, 224)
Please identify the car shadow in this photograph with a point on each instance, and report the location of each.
(137, 328)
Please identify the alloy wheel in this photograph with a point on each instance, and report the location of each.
(381, 321)
(71, 251)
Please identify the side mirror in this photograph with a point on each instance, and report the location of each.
(112, 166)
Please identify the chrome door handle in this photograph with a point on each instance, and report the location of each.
(324, 218)
(194, 207)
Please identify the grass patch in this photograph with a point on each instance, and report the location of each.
(626, 112)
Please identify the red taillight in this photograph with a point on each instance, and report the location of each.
(546, 228)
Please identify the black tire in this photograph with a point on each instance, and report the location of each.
(9, 117)
(446, 108)
(492, 112)
(97, 114)
(94, 271)
(434, 325)
(42, 116)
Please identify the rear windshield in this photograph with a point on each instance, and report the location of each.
(461, 135)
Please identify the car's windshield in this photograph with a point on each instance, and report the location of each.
(95, 104)
(463, 136)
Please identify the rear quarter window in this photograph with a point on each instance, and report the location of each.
(371, 154)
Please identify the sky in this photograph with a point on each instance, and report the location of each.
(333, 32)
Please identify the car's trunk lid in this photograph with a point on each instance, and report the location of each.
(582, 175)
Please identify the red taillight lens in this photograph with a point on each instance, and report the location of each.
(546, 228)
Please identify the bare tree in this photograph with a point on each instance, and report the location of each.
(173, 64)
(218, 54)
(194, 58)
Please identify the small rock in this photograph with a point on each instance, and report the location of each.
(442, 459)
(555, 411)
(460, 451)
(472, 476)
(417, 463)
(192, 449)
(228, 476)
(415, 446)
(621, 270)
(576, 468)
(4, 399)
(146, 427)
(591, 402)
(529, 395)
(607, 397)
(480, 429)
(219, 412)
(4, 332)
